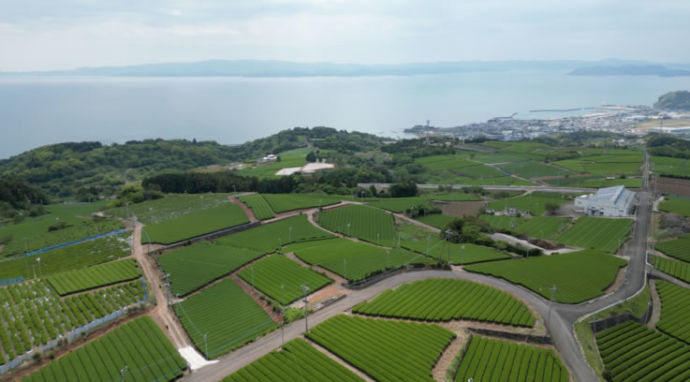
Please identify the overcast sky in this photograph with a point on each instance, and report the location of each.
(62, 34)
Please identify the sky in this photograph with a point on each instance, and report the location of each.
(65, 34)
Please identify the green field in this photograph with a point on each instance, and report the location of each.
(138, 345)
(597, 233)
(675, 310)
(670, 166)
(436, 220)
(67, 258)
(605, 163)
(632, 352)
(172, 206)
(447, 299)
(365, 223)
(495, 360)
(534, 203)
(33, 233)
(31, 313)
(595, 182)
(678, 248)
(543, 227)
(297, 361)
(677, 269)
(259, 206)
(194, 224)
(270, 237)
(354, 261)
(403, 204)
(281, 278)
(676, 205)
(457, 169)
(290, 158)
(93, 277)
(288, 202)
(532, 169)
(196, 265)
(385, 350)
(578, 276)
(222, 318)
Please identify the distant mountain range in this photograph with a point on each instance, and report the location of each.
(259, 68)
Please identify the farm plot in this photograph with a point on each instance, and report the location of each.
(268, 238)
(447, 299)
(675, 310)
(258, 205)
(543, 227)
(68, 258)
(288, 202)
(457, 169)
(677, 269)
(678, 248)
(298, 361)
(172, 206)
(139, 346)
(354, 261)
(670, 166)
(494, 360)
(365, 223)
(399, 204)
(222, 318)
(597, 233)
(281, 278)
(194, 266)
(385, 350)
(194, 224)
(577, 276)
(605, 164)
(535, 203)
(290, 158)
(94, 277)
(436, 220)
(632, 352)
(33, 314)
(532, 169)
(594, 182)
(676, 205)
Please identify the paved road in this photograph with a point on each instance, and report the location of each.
(491, 188)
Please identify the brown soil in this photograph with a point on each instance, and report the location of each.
(441, 368)
(671, 186)
(656, 305)
(620, 278)
(248, 211)
(459, 209)
(277, 317)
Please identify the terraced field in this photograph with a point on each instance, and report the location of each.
(535, 203)
(677, 269)
(259, 206)
(632, 352)
(385, 350)
(354, 261)
(447, 299)
(288, 202)
(436, 220)
(172, 206)
(298, 361)
(532, 169)
(544, 227)
(363, 222)
(597, 233)
(670, 166)
(676, 205)
(138, 347)
(675, 310)
(194, 224)
(494, 360)
(94, 277)
(196, 265)
(281, 278)
(222, 318)
(678, 248)
(578, 276)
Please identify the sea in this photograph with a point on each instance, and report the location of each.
(36, 111)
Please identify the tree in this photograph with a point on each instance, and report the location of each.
(551, 208)
(311, 157)
(406, 188)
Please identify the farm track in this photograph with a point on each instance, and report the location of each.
(247, 211)
(656, 305)
(339, 360)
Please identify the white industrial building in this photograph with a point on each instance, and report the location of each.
(609, 201)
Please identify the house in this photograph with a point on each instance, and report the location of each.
(610, 201)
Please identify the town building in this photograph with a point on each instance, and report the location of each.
(610, 201)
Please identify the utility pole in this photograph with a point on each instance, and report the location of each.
(282, 311)
(305, 289)
(123, 373)
(38, 260)
(345, 268)
(290, 235)
(206, 343)
(348, 229)
(554, 288)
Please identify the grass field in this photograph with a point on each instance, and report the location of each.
(544, 227)
(194, 224)
(196, 265)
(494, 360)
(403, 204)
(68, 258)
(259, 206)
(95, 276)
(222, 318)
(436, 220)
(281, 278)
(677, 269)
(632, 352)
(675, 310)
(678, 248)
(595, 182)
(138, 345)
(365, 223)
(172, 206)
(597, 233)
(297, 361)
(290, 158)
(354, 261)
(33, 233)
(268, 238)
(605, 164)
(535, 202)
(578, 276)
(385, 350)
(676, 205)
(532, 169)
(670, 166)
(457, 169)
(288, 202)
(447, 299)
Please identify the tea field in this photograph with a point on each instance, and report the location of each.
(597, 233)
(259, 206)
(363, 222)
(675, 310)
(95, 276)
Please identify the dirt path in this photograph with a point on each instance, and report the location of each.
(276, 317)
(339, 360)
(656, 305)
(441, 368)
(248, 211)
(416, 222)
(335, 289)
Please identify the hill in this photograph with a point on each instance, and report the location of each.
(676, 101)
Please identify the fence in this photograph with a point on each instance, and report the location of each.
(598, 326)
